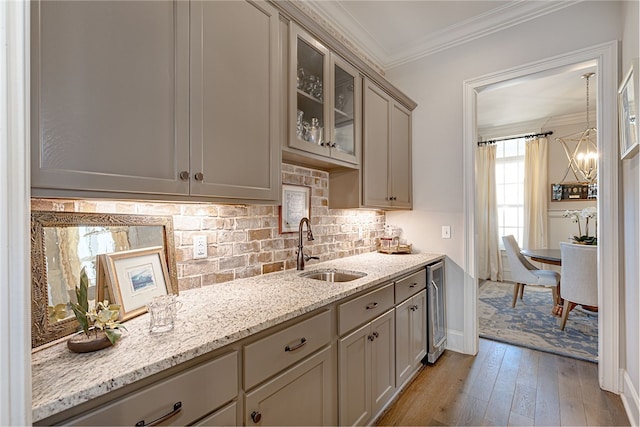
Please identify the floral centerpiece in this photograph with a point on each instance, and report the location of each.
(99, 323)
(587, 214)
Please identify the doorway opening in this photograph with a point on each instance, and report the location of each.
(605, 56)
(521, 128)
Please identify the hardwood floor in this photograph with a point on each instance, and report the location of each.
(506, 385)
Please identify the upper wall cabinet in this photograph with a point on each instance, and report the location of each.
(109, 85)
(324, 102)
(161, 99)
(386, 171)
(235, 99)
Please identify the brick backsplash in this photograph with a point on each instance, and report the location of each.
(243, 240)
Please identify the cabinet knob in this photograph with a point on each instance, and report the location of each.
(256, 417)
(414, 307)
(184, 175)
(199, 176)
(376, 334)
(370, 337)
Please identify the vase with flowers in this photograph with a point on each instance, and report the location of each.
(589, 214)
(100, 328)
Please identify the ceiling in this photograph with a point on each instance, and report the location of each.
(396, 32)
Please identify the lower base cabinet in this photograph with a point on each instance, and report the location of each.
(303, 395)
(178, 400)
(411, 336)
(366, 370)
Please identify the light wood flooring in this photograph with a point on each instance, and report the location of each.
(506, 385)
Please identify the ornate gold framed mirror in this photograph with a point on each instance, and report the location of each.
(64, 242)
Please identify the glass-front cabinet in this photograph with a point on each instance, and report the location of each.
(325, 101)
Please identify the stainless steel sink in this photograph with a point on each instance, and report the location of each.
(333, 275)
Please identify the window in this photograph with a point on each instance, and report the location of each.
(510, 188)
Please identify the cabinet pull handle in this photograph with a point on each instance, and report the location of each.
(302, 342)
(177, 407)
(184, 176)
(414, 307)
(371, 306)
(376, 334)
(413, 285)
(199, 176)
(370, 337)
(256, 417)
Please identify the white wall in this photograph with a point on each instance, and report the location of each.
(630, 362)
(436, 83)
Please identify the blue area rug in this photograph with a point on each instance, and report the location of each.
(530, 324)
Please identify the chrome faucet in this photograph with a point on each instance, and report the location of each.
(301, 256)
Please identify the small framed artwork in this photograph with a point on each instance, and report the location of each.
(296, 200)
(135, 277)
(629, 101)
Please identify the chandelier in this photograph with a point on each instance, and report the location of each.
(583, 160)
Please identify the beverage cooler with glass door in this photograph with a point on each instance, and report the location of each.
(436, 316)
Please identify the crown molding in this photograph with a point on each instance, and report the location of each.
(490, 22)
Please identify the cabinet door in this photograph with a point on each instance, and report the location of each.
(375, 165)
(344, 138)
(354, 373)
(383, 363)
(110, 94)
(400, 157)
(302, 395)
(309, 97)
(235, 100)
(404, 356)
(418, 337)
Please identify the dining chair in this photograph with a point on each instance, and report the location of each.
(524, 273)
(579, 277)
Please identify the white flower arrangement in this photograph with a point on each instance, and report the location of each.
(590, 213)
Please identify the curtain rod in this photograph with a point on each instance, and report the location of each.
(531, 135)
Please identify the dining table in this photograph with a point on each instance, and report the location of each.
(546, 256)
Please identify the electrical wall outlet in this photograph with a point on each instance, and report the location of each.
(446, 231)
(199, 247)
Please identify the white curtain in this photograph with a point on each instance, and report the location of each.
(488, 250)
(535, 194)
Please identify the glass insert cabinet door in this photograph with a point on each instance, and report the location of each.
(325, 100)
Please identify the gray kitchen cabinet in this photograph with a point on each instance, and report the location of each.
(290, 377)
(411, 324)
(411, 336)
(366, 370)
(303, 395)
(180, 399)
(325, 103)
(110, 94)
(386, 165)
(235, 100)
(151, 100)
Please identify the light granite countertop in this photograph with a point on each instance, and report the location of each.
(212, 317)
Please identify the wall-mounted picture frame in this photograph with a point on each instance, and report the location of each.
(628, 106)
(296, 202)
(135, 277)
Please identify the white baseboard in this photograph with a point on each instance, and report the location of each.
(630, 399)
(455, 341)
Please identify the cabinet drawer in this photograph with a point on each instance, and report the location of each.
(274, 353)
(199, 390)
(362, 309)
(410, 285)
